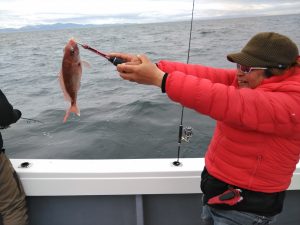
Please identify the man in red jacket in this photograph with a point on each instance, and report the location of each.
(257, 110)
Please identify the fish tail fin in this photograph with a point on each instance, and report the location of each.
(74, 109)
(66, 116)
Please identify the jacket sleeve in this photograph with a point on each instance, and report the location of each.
(249, 109)
(215, 75)
(8, 115)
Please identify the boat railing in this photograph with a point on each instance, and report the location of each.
(61, 177)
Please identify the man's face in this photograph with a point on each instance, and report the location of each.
(250, 79)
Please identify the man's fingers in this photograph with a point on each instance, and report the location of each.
(133, 63)
(125, 57)
(143, 58)
(127, 76)
(126, 68)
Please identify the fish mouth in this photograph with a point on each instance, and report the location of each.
(72, 41)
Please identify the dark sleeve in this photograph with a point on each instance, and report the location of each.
(8, 114)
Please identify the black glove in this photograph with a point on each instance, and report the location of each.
(17, 115)
(8, 114)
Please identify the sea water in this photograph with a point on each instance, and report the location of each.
(119, 119)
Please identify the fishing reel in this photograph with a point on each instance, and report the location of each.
(187, 134)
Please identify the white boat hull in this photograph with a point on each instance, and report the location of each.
(126, 191)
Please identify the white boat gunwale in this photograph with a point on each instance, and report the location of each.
(68, 177)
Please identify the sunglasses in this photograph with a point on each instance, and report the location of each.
(248, 69)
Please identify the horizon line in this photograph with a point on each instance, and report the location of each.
(132, 23)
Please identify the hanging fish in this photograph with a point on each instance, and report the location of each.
(70, 76)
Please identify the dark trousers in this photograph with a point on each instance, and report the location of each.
(13, 209)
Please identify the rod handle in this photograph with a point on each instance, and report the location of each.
(116, 61)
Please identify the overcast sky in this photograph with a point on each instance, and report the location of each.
(18, 13)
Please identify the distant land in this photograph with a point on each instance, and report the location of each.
(61, 26)
(56, 26)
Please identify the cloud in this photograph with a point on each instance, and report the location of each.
(18, 13)
(23, 12)
(234, 8)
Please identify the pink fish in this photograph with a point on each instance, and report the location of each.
(70, 76)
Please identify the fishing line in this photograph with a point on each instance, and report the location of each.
(28, 120)
(188, 131)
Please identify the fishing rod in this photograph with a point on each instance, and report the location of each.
(185, 133)
(113, 60)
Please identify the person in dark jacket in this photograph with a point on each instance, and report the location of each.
(13, 209)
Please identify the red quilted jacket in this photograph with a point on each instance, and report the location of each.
(256, 143)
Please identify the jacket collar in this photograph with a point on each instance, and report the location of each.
(294, 71)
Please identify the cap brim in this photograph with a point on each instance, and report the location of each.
(244, 59)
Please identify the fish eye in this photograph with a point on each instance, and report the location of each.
(72, 51)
